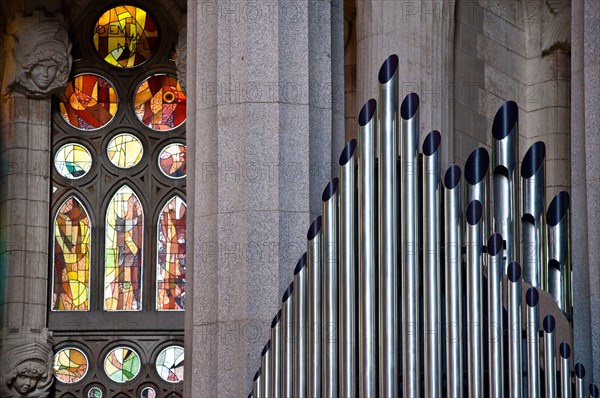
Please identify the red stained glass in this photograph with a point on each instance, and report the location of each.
(160, 103)
(89, 102)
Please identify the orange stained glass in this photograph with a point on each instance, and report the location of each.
(89, 102)
(160, 103)
(72, 239)
(170, 274)
(125, 36)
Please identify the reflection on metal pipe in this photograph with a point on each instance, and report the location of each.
(409, 129)
(496, 354)
(565, 370)
(506, 136)
(276, 345)
(348, 356)
(478, 185)
(474, 245)
(533, 344)
(594, 393)
(288, 337)
(315, 308)
(515, 367)
(265, 365)
(257, 391)
(533, 227)
(300, 350)
(388, 228)
(559, 256)
(549, 358)
(367, 308)
(454, 293)
(431, 264)
(579, 381)
(330, 289)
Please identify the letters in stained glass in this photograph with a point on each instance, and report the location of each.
(170, 275)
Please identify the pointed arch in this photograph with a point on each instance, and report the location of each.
(170, 255)
(123, 252)
(71, 259)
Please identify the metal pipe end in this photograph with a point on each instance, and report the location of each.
(388, 68)
(528, 219)
(494, 244)
(276, 319)
(266, 348)
(452, 177)
(565, 350)
(554, 265)
(432, 143)
(558, 208)
(367, 112)
(514, 271)
(348, 152)
(477, 166)
(257, 374)
(474, 212)
(409, 106)
(549, 324)
(579, 370)
(330, 189)
(505, 120)
(532, 297)
(314, 229)
(288, 292)
(251, 395)
(533, 159)
(300, 264)
(594, 391)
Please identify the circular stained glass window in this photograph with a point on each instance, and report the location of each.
(148, 392)
(171, 161)
(125, 36)
(72, 161)
(169, 364)
(94, 392)
(125, 151)
(122, 364)
(70, 365)
(160, 103)
(89, 102)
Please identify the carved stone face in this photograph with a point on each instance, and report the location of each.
(25, 382)
(43, 73)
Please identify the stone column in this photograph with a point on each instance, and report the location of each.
(260, 118)
(38, 63)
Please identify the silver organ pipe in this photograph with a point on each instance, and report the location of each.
(350, 322)
(594, 393)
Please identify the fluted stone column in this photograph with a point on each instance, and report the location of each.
(259, 136)
(36, 65)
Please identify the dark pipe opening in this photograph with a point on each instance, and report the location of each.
(409, 107)
(558, 208)
(330, 189)
(367, 112)
(549, 324)
(514, 271)
(477, 166)
(347, 152)
(532, 297)
(533, 159)
(314, 229)
(452, 177)
(505, 120)
(494, 245)
(276, 319)
(474, 212)
(388, 68)
(288, 292)
(300, 264)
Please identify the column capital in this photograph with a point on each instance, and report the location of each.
(38, 55)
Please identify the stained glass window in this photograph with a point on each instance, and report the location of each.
(125, 36)
(169, 364)
(160, 102)
(123, 261)
(94, 392)
(171, 161)
(125, 151)
(70, 365)
(89, 102)
(170, 275)
(148, 392)
(72, 238)
(122, 364)
(72, 161)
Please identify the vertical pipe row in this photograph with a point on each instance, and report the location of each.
(367, 361)
(453, 249)
(533, 343)
(265, 365)
(330, 289)
(496, 354)
(300, 346)
(478, 186)
(474, 246)
(559, 255)
(315, 310)
(348, 358)
(549, 357)
(409, 129)
(565, 370)
(515, 358)
(288, 339)
(276, 346)
(388, 228)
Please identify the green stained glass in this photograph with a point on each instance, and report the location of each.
(72, 161)
(94, 392)
(123, 252)
(169, 364)
(125, 151)
(170, 277)
(122, 364)
(70, 365)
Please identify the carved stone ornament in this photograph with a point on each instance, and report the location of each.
(38, 55)
(556, 26)
(26, 368)
(181, 50)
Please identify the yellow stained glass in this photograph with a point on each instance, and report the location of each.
(125, 151)
(70, 365)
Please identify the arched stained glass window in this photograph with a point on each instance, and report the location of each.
(123, 255)
(72, 239)
(170, 273)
